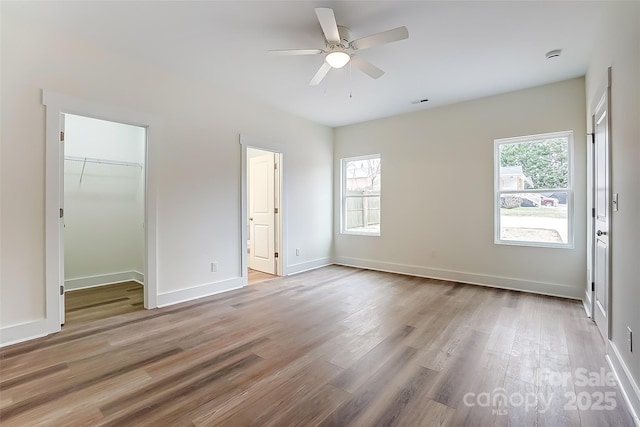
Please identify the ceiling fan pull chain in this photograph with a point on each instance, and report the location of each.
(350, 85)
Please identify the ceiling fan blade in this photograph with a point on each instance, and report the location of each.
(324, 69)
(328, 23)
(384, 37)
(366, 67)
(287, 52)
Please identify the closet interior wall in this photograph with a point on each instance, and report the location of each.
(103, 202)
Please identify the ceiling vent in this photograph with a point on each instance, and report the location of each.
(553, 53)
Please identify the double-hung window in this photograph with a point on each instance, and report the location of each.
(360, 205)
(533, 190)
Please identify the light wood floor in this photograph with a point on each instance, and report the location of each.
(333, 347)
(101, 302)
(256, 276)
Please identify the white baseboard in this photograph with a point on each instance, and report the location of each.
(103, 279)
(23, 332)
(542, 288)
(208, 289)
(627, 384)
(308, 265)
(138, 277)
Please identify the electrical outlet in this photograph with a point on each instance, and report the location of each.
(630, 338)
(214, 267)
(297, 251)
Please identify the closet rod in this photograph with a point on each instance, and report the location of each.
(106, 162)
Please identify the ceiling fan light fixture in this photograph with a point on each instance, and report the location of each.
(337, 59)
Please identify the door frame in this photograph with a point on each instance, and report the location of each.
(56, 105)
(603, 94)
(590, 290)
(280, 217)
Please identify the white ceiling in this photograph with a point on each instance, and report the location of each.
(456, 50)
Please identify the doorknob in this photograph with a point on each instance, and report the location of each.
(601, 233)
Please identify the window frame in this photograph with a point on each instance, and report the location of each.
(343, 196)
(497, 143)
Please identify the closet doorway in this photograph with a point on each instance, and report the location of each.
(104, 218)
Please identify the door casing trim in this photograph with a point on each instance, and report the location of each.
(57, 104)
(602, 95)
(280, 220)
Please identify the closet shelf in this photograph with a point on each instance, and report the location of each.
(102, 161)
(86, 160)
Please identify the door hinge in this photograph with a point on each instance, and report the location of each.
(61, 212)
(275, 210)
(276, 255)
(61, 136)
(61, 289)
(275, 166)
(593, 212)
(593, 286)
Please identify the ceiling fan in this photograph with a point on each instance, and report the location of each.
(340, 48)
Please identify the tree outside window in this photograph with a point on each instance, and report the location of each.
(533, 190)
(361, 183)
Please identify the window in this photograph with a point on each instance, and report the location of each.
(360, 207)
(534, 193)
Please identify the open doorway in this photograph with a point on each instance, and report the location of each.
(263, 202)
(104, 215)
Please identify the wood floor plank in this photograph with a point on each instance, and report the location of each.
(405, 406)
(521, 408)
(30, 376)
(504, 331)
(159, 402)
(477, 404)
(256, 276)
(363, 397)
(525, 352)
(102, 302)
(460, 376)
(353, 377)
(555, 387)
(73, 385)
(333, 346)
(297, 371)
(312, 408)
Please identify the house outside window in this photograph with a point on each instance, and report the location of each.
(361, 179)
(534, 193)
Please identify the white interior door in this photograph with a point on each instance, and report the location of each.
(262, 213)
(601, 255)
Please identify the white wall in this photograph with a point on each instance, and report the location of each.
(619, 47)
(437, 192)
(198, 165)
(104, 203)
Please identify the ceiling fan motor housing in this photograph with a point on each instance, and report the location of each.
(345, 39)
